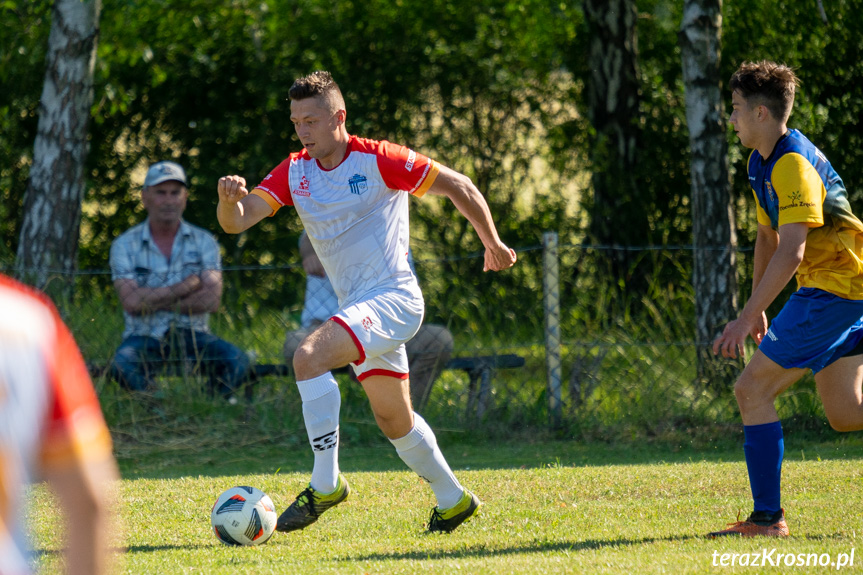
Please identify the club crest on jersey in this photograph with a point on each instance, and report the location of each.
(359, 184)
(303, 188)
(367, 323)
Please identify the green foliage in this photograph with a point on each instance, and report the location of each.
(663, 165)
(25, 28)
(489, 88)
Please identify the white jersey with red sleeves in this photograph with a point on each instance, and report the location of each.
(49, 413)
(356, 215)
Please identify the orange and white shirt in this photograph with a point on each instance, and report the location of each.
(356, 214)
(49, 413)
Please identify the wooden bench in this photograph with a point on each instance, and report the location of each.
(478, 368)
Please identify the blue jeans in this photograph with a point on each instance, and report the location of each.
(138, 359)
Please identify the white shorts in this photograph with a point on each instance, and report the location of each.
(380, 325)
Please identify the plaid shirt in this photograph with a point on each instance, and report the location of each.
(135, 255)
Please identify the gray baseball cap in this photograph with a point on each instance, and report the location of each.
(163, 172)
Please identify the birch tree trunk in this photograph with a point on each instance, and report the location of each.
(48, 242)
(714, 236)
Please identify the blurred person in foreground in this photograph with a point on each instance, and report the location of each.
(51, 428)
(351, 195)
(805, 227)
(168, 277)
(428, 351)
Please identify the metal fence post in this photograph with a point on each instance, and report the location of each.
(551, 304)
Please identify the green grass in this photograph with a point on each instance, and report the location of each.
(550, 507)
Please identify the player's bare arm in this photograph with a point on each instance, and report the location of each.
(766, 242)
(472, 205)
(238, 210)
(777, 272)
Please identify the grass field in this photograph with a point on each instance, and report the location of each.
(550, 507)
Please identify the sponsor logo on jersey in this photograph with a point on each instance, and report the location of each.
(359, 184)
(367, 323)
(303, 188)
(796, 203)
(771, 335)
(268, 177)
(412, 157)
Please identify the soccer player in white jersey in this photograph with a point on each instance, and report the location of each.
(352, 197)
(51, 428)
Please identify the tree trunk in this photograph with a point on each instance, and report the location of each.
(617, 217)
(613, 102)
(48, 243)
(714, 236)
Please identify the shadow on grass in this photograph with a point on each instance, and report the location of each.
(263, 457)
(38, 554)
(541, 547)
(155, 548)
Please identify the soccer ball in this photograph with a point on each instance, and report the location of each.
(243, 516)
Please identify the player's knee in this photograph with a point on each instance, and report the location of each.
(750, 395)
(303, 359)
(393, 425)
(743, 392)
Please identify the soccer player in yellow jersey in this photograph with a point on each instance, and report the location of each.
(805, 227)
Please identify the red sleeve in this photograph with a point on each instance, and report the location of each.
(403, 168)
(275, 189)
(76, 428)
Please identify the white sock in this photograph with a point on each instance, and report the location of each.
(321, 403)
(419, 450)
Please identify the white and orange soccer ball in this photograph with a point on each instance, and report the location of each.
(243, 516)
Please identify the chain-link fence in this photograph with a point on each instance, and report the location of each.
(585, 339)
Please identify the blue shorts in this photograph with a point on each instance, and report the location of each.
(814, 329)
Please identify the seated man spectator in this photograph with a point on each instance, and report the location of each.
(168, 277)
(428, 351)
